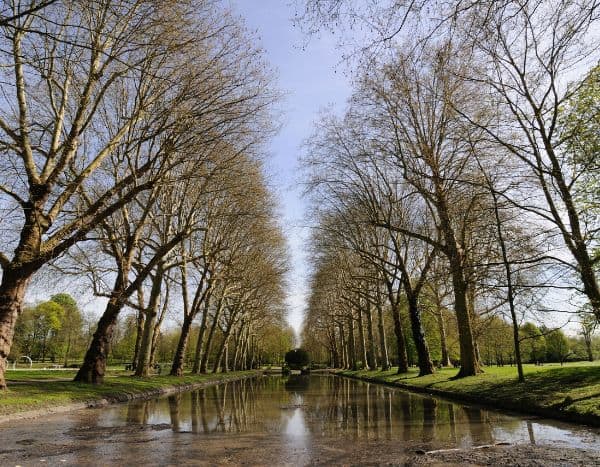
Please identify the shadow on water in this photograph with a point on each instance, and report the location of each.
(300, 408)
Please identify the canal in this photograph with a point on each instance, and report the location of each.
(320, 419)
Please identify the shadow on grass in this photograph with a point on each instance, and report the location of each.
(548, 387)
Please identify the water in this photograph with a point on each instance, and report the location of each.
(295, 420)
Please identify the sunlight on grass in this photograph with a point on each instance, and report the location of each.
(573, 388)
(37, 389)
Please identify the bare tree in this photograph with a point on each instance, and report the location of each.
(79, 81)
(525, 52)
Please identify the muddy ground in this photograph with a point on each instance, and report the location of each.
(90, 445)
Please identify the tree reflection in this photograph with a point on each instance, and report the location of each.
(297, 383)
(174, 411)
(327, 406)
(429, 418)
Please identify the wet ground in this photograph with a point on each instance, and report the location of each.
(296, 421)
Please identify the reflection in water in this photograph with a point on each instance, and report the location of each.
(295, 426)
(297, 383)
(530, 432)
(300, 408)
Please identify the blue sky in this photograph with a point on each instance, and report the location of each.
(312, 77)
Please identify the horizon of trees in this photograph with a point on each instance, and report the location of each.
(453, 202)
(458, 192)
(133, 136)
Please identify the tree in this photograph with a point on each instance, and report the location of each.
(580, 128)
(434, 164)
(38, 329)
(523, 51)
(557, 346)
(589, 324)
(72, 324)
(82, 77)
(533, 343)
(12, 12)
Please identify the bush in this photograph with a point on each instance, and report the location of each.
(297, 359)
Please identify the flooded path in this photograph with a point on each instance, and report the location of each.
(298, 420)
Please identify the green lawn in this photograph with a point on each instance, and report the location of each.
(571, 391)
(40, 389)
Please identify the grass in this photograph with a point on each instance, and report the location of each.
(39, 389)
(570, 392)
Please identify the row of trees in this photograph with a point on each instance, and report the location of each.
(463, 176)
(131, 133)
(58, 331)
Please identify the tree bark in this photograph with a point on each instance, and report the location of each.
(443, 343)
(401, 342)
(221, 351)
(361, 338)
(371, 353)
(12, 292)
(236, 355)
(198, 356)
(509, 287)
(385, 359)
(225, 368)
(144, 359)
(424, 359)
(345, 362)
(351, 345)
(94, 363)
(469, 366)
(211, 333)
(138, 338)
(177, 367)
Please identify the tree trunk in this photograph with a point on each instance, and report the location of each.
(351, 344)
(509, 287)
(226, 359)
(252, 352)
(94, 363)
(211, 333)
(443, 343)
(245, 344)
(371, 353)
(385, 359)
(402, 356)
(139, 329)
(157, 326)
(12, 292)
(198, 356)
(335, 358)
(344, 362)
(237, 353)
(177, 368)
(361, 338)
(221, 351)
(144, 359)
(469, 366)
(588, 277)
(424, 359)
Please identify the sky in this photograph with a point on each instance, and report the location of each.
(312, 78)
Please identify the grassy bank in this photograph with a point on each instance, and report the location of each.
(570, 392)
(45, 390)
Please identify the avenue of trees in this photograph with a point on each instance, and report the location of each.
(131, 134)
(456, 199)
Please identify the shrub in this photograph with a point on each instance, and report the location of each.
(297, 359)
